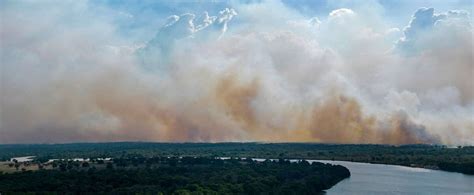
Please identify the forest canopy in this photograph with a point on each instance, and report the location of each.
(186, 175)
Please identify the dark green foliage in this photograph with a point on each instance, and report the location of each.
(467, 168)
(429, 156)
(85, 164)
(187, 175)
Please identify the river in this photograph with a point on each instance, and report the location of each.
(370, 179)
(392, 179)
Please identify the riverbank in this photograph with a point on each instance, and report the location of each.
(464, 168)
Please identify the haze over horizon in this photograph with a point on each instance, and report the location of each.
(383, 72)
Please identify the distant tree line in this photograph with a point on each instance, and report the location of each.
(457, 159)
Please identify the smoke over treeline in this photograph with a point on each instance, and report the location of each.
(254, 72)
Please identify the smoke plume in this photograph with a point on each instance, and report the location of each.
(255, 72)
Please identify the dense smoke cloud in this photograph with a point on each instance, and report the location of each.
(272, 75)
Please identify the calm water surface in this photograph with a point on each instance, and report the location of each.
(370, 179)
(391, 179)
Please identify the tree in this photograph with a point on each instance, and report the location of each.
(109, 165)
(85, 164)
(62, 167)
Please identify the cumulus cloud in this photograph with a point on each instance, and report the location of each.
(186, 26)
(272, 75)
(425, 21)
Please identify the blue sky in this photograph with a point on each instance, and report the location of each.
(396, 13)
(152, 14)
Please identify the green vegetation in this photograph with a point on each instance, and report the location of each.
(460, 159)
(187, 175)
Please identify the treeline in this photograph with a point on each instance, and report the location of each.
(180, 176)
(467, 168)
(429, 156)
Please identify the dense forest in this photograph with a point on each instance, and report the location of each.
(187, 175)
(457, 159)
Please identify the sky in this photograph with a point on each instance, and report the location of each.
(327, 71)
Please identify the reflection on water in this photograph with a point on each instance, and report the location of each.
(391, 179)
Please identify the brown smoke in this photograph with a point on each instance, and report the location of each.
(142, 113)
(339, 119)
(236, 99)
(220, 107)
(76, 83)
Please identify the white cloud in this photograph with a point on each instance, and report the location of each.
(425, 21)
(341, 13)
